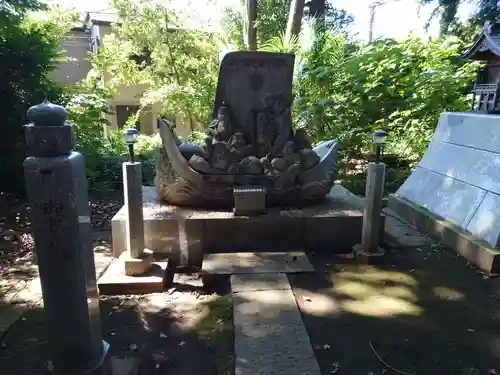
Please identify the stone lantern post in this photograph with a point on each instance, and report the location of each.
(57, 192)
(369, 250)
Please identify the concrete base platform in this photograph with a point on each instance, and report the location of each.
(114, 280)
(255, 263)
(185, 234)
(478, 252)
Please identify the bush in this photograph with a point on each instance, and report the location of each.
(29, 49)
(399, 87)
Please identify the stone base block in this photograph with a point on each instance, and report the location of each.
(245, 263)
(115, 281)
(185, 235)
(478, 252)
(368, 257)
(137, 266)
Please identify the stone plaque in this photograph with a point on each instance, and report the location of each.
(249, 200)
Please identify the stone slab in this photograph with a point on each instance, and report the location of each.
(114, 280)
(474, 250)
(476, 130)
(270, 337)
(244, 263)
(470, 165)
(457, 181)
(485, 223)
(253, 282)
(124, 366)
(333, 226)
(444, 196)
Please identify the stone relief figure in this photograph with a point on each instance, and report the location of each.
(240, 153)
(250, 141)
(283, 169)
(220, 128)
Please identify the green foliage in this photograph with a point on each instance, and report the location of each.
(399, 87)
(272, 17)
(282, 44)
(86, 112)
(29, 50)
(197, 137)
(178, 68)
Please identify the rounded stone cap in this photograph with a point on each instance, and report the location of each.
(47, 114)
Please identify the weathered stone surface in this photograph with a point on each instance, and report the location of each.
(137, 266)
(270, 337)
(458, 131)
(446, 197)
(238, 263)
(250, 141)
(114, 280)
(457, 182)
(485, 223)
(476, 251)
(134, 223)
(334, 225)
(124, 366)
(253, 282)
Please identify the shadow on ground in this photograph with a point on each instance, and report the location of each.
(186, 333)
(425, 312)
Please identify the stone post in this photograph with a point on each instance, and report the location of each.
(372, 219)
(57, 192)
(137, 259)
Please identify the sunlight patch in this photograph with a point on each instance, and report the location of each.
(381, 306)
(320, 305)
(447, 293)
(372, 276)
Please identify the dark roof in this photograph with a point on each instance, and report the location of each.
(486, 44)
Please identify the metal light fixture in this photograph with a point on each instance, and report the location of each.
(130, 137)
(379, 137)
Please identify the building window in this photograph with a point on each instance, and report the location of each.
(124, 112)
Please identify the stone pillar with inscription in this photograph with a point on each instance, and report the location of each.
(57, 192)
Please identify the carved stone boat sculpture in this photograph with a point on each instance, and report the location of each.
(250, 142)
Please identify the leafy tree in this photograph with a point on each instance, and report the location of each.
(272, 16)
(400, 87)
(180, 68)
(485, 10)
(29, 50)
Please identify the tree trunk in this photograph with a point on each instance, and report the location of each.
(250, 17)
(294, 18)
(371, 22)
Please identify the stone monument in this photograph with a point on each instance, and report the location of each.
(254, 174)
(250, 142)
(57, 192)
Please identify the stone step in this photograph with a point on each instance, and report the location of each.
(269, 335)
(255, 263)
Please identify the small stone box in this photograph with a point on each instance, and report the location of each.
(249, 200)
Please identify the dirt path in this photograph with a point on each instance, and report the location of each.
(425, 312)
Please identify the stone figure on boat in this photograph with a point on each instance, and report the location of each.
(250, 141)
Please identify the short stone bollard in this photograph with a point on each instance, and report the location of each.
(137, 260)
(57, 192)
(372, 219)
